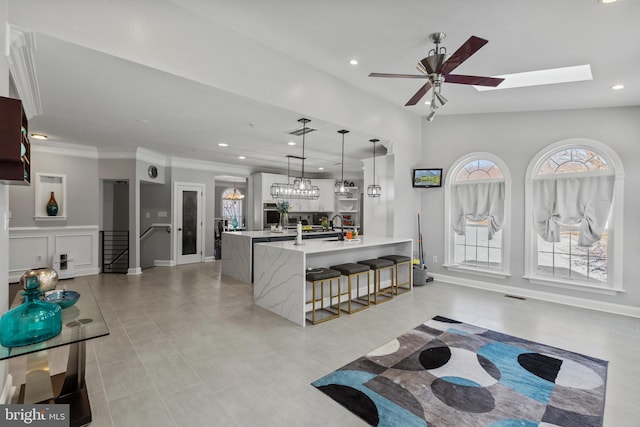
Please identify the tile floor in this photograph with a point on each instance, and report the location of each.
(188, 348)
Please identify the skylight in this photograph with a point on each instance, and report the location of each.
(575, 73)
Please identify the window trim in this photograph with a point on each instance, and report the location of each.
(614, 274)
(449, 240)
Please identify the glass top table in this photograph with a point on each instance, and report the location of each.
(80, 322)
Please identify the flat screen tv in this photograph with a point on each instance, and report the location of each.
(427, 178)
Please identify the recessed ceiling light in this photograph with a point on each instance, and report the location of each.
(241, 157)
(617, 87)
(39, 136)
(608, 1)
(575, 73)
(321, 168)
(291, 143)
(427, 102)
(223, 144)
(353, 62)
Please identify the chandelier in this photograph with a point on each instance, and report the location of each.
(281, 190)
(235, 195)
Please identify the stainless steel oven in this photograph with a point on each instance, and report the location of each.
(271, 216)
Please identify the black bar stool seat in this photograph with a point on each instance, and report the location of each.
(357, 302)
(378, 265)
(322, 313)
(400, 260)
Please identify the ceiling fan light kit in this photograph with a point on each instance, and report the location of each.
(437, 68)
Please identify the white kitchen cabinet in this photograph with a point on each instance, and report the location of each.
(267, 180)
(326, 202)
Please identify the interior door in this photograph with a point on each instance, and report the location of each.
(189, 223)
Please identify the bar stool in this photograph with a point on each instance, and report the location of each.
(320, 276)
(357, 303)
(399, 260)
(378, 265)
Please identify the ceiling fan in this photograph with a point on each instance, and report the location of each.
(437, 68)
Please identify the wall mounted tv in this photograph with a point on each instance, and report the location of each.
(427, 178)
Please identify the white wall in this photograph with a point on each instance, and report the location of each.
(516, 138)
(293, 84)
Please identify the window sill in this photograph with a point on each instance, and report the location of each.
(479, 271)
(574, 285)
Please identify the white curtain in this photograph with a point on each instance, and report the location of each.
(572, 200)
(477, 201)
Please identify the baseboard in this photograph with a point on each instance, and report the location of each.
(164, 263)
(134, 271)
(209, 259)
(623, 310)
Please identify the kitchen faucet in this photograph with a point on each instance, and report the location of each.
(341, 235)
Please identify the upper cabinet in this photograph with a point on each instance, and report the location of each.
(15, 149)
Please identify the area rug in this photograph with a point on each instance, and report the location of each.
(449, 373)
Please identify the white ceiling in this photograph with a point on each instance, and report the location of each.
(99, 99)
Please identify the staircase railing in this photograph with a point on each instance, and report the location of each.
(115, 251)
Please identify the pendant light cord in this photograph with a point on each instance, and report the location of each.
(374, 162)
(342, 163)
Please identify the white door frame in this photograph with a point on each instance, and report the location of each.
(178, 187)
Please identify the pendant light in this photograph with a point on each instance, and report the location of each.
(302, 187)
(340, 189)
(374, 190)
(280, 190)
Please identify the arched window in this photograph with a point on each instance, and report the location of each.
(571, 216)
(477, 213)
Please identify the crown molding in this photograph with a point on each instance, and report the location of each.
(116, 155)
(64, 149)
(217, 168)
(151, 157)
(21, 44)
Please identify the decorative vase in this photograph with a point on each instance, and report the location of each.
(31, 322)
(235, 222)
(284, 220)
(52, 206)
(47, 278)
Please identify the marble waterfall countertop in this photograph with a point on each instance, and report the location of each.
(237, 248)
(280, 268)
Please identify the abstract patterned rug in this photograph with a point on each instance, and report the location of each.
(448, 373)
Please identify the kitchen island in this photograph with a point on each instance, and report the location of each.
(237, 248)
(279, 268)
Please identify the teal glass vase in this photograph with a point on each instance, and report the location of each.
(31, 322)
(235, 222)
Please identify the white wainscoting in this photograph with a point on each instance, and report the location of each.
(33, 247)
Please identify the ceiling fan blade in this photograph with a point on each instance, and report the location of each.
(403, 76)
(473, 80)
(419, 94)
(463, 53)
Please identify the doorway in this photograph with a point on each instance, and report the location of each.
(114, 229)
(189, 202)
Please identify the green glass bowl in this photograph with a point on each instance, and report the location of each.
(63, 298)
